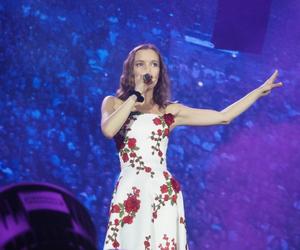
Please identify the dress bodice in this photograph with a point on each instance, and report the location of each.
(142, 141)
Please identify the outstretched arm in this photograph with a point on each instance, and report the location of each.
(201, 117)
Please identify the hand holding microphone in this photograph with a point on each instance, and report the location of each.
(140, 86)
(142, 81)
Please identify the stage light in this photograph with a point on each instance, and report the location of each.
(42, 216)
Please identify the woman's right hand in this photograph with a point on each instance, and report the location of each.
(140, 86)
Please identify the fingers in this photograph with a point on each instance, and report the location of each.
(274, 75)
(139, 83)
(279, 84)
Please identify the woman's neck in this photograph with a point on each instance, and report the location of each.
(149, 102)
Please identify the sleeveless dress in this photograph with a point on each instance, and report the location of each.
(146, 210)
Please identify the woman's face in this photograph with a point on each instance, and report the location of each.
(146, 61)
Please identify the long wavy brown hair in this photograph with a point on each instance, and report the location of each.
(161, 92)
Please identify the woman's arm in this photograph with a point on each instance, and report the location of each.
(185, 115)
(112, 120)
(235, 109)
(197, 117)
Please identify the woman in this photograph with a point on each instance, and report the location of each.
(147, 210)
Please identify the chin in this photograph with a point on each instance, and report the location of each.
(153, 84)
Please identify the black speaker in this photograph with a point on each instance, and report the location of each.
(241, 25)
(42, 216)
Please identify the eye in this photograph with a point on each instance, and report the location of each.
(155, 64)
(139, 64)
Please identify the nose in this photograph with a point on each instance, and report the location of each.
(147, 69)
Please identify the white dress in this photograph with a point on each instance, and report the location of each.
(146, 210)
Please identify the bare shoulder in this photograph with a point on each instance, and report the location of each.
(111, 102)
(109, 105)
(108, 101)
(173, 108)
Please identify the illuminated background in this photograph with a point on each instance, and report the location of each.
(241, 182)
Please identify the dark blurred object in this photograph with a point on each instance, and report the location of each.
(241, 25)
(147, 78)
(37, 216)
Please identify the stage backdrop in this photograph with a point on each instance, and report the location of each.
(240, 181)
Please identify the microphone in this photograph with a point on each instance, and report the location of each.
(147, 79)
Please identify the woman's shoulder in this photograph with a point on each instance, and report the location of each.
(111, 101)
(113, 98)
(172, 107)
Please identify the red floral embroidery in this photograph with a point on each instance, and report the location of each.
(116, 244)
(169, 119)
(157, 121)
(175, 185)
(120, 136)
(166, 132)
(164, 188)
(165, 121)
(174, 198)
(166, 174)
(128, 149)
(154, 215)
(129, 153)
(131, 142)
(132, 204)
(166, 197)
(125, 157)
(147, 243)
(168, 243)
(132, 154)
(169, 193)
(147, 169)
(126, 213)
(127, 219)
(115, 209)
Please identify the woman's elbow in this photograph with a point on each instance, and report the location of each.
(225, 122)
(107, 132)
(224, 118)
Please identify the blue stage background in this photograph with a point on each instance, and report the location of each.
(59, 59)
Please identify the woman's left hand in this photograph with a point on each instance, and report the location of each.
(269, 84)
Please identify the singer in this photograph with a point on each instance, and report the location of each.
(147, 208)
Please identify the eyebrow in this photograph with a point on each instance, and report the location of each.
(144, 60)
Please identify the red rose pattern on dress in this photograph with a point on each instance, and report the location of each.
(168, 193)
(167, 244)
(123, 212)
(126, 212)
(120, 136)
(129, 151)
(147, 243)
(165, 121)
